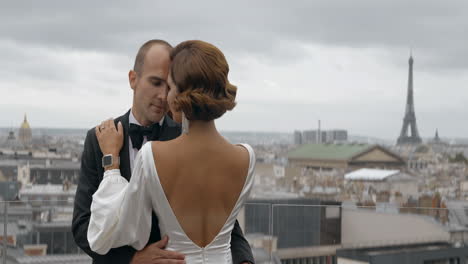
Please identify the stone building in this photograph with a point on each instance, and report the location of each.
(347, 157)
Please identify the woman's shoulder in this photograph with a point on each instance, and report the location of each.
(152, 146)
(243, 155)
(164, 151)
(164, 145)
(245, 148)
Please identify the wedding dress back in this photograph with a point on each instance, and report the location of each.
(216, 251)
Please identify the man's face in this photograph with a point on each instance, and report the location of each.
(150, 86)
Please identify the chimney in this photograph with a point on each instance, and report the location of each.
(319, 133)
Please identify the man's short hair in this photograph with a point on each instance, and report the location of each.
(140, 57)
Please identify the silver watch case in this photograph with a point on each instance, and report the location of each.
(109, 160)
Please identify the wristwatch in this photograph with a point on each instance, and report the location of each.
(109, 160)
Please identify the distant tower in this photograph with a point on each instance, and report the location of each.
(437, 138)
(319, 133)
(25, 134)
(409, 121)
(298, 137)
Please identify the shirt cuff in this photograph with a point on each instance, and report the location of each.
(114, 172)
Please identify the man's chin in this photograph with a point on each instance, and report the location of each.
(155, 118)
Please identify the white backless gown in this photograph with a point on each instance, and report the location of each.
(121, 213)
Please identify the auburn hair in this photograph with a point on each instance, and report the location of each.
(200, 72)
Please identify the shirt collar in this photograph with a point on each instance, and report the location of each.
(132, 119)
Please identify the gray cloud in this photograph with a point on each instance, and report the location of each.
(433, 28)
(285, 56)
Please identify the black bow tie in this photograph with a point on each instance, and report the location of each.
(137, 133)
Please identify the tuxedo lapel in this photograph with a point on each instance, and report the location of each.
(125, 152)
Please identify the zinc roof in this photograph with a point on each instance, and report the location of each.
(328, 151)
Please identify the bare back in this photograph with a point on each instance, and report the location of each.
(202, 182)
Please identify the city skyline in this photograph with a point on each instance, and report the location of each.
(343, 63)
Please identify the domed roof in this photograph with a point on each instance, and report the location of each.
(25, 133)
(25, 123)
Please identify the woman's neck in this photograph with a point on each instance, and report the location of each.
(200, 130)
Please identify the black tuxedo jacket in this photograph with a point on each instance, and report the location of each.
(91, 174)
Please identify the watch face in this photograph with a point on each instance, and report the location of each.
(107, 160)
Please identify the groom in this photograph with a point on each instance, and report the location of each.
(147, 120)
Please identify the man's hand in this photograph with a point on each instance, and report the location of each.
(155, 254)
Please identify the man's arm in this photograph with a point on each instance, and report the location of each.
(240, 248)
(87, 185)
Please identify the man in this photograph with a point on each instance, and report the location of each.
(147, 120)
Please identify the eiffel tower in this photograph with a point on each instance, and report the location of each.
(409, 121)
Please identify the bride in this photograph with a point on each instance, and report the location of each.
(196, 184)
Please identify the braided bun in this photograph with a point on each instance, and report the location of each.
(199, 71)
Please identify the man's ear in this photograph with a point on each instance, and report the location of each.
(132, 79)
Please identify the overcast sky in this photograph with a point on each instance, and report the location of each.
(65, 63)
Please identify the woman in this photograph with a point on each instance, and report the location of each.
(196, 184)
